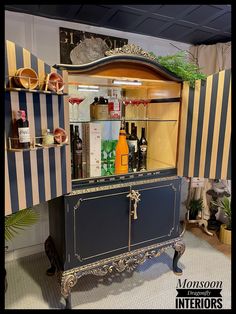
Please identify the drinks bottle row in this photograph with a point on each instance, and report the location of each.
(131, 152)
(128, 155)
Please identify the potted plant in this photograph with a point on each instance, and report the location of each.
(194, 207)
(16, 222)
(225, 229)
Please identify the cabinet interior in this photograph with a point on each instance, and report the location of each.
(159, 118)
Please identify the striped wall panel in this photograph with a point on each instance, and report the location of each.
(35, 176)
(205, 129)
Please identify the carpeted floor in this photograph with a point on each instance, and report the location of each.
(151, 286)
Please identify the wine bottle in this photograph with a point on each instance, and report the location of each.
(77, 157)
(130, 146)
(142, 147)
(122, 152)
(23, 131)
(71, 149)
(92, 108)
(133, 142)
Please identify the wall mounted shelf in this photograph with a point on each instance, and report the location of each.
(18, 89)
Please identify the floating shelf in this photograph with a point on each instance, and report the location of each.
(35, 148)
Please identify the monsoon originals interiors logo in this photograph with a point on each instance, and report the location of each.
(198, 294)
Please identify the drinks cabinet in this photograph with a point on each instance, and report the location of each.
(101, 221)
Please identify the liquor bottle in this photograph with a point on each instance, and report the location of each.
(142, 147)
(71, 149)
(127, 130)
(131, 147)
(122, 152)
(92, 108)
(133, 142)
(22, 125)
(77, 154)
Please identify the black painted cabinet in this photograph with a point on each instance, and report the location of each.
(98, 222)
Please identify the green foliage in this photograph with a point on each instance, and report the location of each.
(19, 221)
(225, 205)
(194, 207)
(178, 64)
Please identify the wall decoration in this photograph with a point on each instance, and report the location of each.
(79, 47)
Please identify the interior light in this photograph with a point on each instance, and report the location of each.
(122, 82)
(88, 88)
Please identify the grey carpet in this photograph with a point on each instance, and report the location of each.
(151, 286)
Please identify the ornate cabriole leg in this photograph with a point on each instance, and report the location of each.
(50, 251)
(179, 248)
(67, 283)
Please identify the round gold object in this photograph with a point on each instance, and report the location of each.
(26, 78)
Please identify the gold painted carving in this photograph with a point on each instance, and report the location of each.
(127, 261)
(67, 283)
(130, 49)
(179, 247)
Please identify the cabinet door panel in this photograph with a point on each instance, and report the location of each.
(100, 224)
(158, 213)
(205, 128)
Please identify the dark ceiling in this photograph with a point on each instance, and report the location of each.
(193, 24)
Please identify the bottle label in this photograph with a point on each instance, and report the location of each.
(24, 135)
(143, 148)
(135, 144)
(124, 159)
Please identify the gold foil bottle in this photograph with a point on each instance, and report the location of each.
(122, 152)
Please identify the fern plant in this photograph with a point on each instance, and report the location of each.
(180, 66)
(19, 221)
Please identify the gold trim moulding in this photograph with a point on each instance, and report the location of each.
(128, 261)
(120, 185)
(162, 246)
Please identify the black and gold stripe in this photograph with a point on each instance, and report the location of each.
(205, 128)
(35, 176)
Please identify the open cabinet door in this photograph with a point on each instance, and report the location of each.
(33, 176)
(205, 128)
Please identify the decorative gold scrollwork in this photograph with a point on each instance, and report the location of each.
(130, 49)
(179, 247)
(68, 282)
(134, 196)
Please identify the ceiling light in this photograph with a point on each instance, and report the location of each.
(118, 82)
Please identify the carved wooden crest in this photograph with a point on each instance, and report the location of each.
(130, 49)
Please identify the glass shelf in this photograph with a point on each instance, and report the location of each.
(18, 89)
